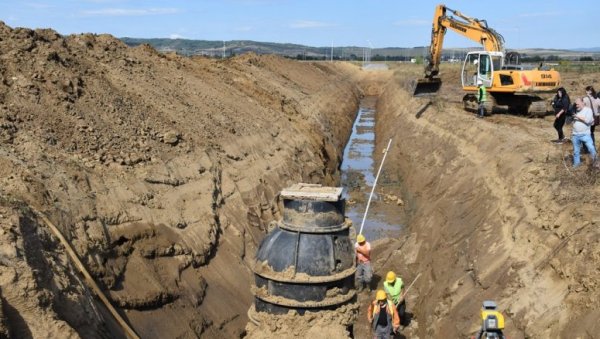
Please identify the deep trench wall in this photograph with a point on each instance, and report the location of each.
(488, 221)
(162, 171)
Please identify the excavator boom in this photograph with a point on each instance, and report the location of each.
(471, 28)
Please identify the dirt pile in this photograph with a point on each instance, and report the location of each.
(498, 214)
(317, 325)
(162, 171)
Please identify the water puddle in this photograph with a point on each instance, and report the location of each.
(358, 175)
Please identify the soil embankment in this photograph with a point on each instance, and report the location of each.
(498, 214)
(162, 171)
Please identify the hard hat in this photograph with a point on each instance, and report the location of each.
(390, 277)
(479, 82)
(489, 305)
(380, 295)
(361, 238)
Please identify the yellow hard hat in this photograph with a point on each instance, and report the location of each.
(361, 238)
(380, 295)
(390, 277)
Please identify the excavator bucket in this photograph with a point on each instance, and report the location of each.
(426, 86)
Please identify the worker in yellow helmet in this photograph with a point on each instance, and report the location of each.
(492, 322)
(383, 316)
(394, 287)
(364, 271)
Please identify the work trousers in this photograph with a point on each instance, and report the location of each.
(481, 109)
(383, 332)
(401, 308)
(364, 274)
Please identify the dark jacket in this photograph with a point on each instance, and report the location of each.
(561, 103)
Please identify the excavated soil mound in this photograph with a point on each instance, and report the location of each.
(163, 172)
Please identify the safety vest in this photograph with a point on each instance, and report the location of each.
(392, 315)
(394, 291)
(482, 94)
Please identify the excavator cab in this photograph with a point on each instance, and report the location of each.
(480, 65)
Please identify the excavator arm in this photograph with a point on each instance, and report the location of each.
(471, 28)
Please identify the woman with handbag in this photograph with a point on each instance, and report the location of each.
(592, 101)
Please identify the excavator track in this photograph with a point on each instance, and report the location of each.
(538, 108)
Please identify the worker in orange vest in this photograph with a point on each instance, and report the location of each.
(383, 317)
(364, 271)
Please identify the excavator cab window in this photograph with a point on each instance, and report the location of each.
(479, 66)
(470, 70)
(485, 69)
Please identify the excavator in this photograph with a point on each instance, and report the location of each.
(519, 88)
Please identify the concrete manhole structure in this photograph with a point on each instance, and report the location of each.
(307, 262)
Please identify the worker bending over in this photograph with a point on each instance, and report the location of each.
(383, 317)
(364, 271)
(394, 287)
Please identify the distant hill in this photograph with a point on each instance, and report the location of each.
(234, 47)
(593, 49)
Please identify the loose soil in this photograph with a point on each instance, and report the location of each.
(163, 172)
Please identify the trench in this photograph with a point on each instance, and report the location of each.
(358, 172)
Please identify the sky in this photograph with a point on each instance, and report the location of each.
(367, 23)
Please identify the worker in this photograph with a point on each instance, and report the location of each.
(383, 317)
(364, 271)
(394, 287)
(481, 98)
(492, 321)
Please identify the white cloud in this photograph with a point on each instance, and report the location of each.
(176, 36)
(412, 22)
(309, 24)
(129, 11)
(539, 14)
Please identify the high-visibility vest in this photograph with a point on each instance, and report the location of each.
(394, 291)
(482, 94)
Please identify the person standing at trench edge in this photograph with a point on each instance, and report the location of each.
(364, 271)
(582, 120)
(592, 101)
(481, 98)
(561, 104)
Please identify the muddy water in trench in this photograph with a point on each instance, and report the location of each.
(358, 175)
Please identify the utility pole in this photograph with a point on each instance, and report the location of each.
(223, 49)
